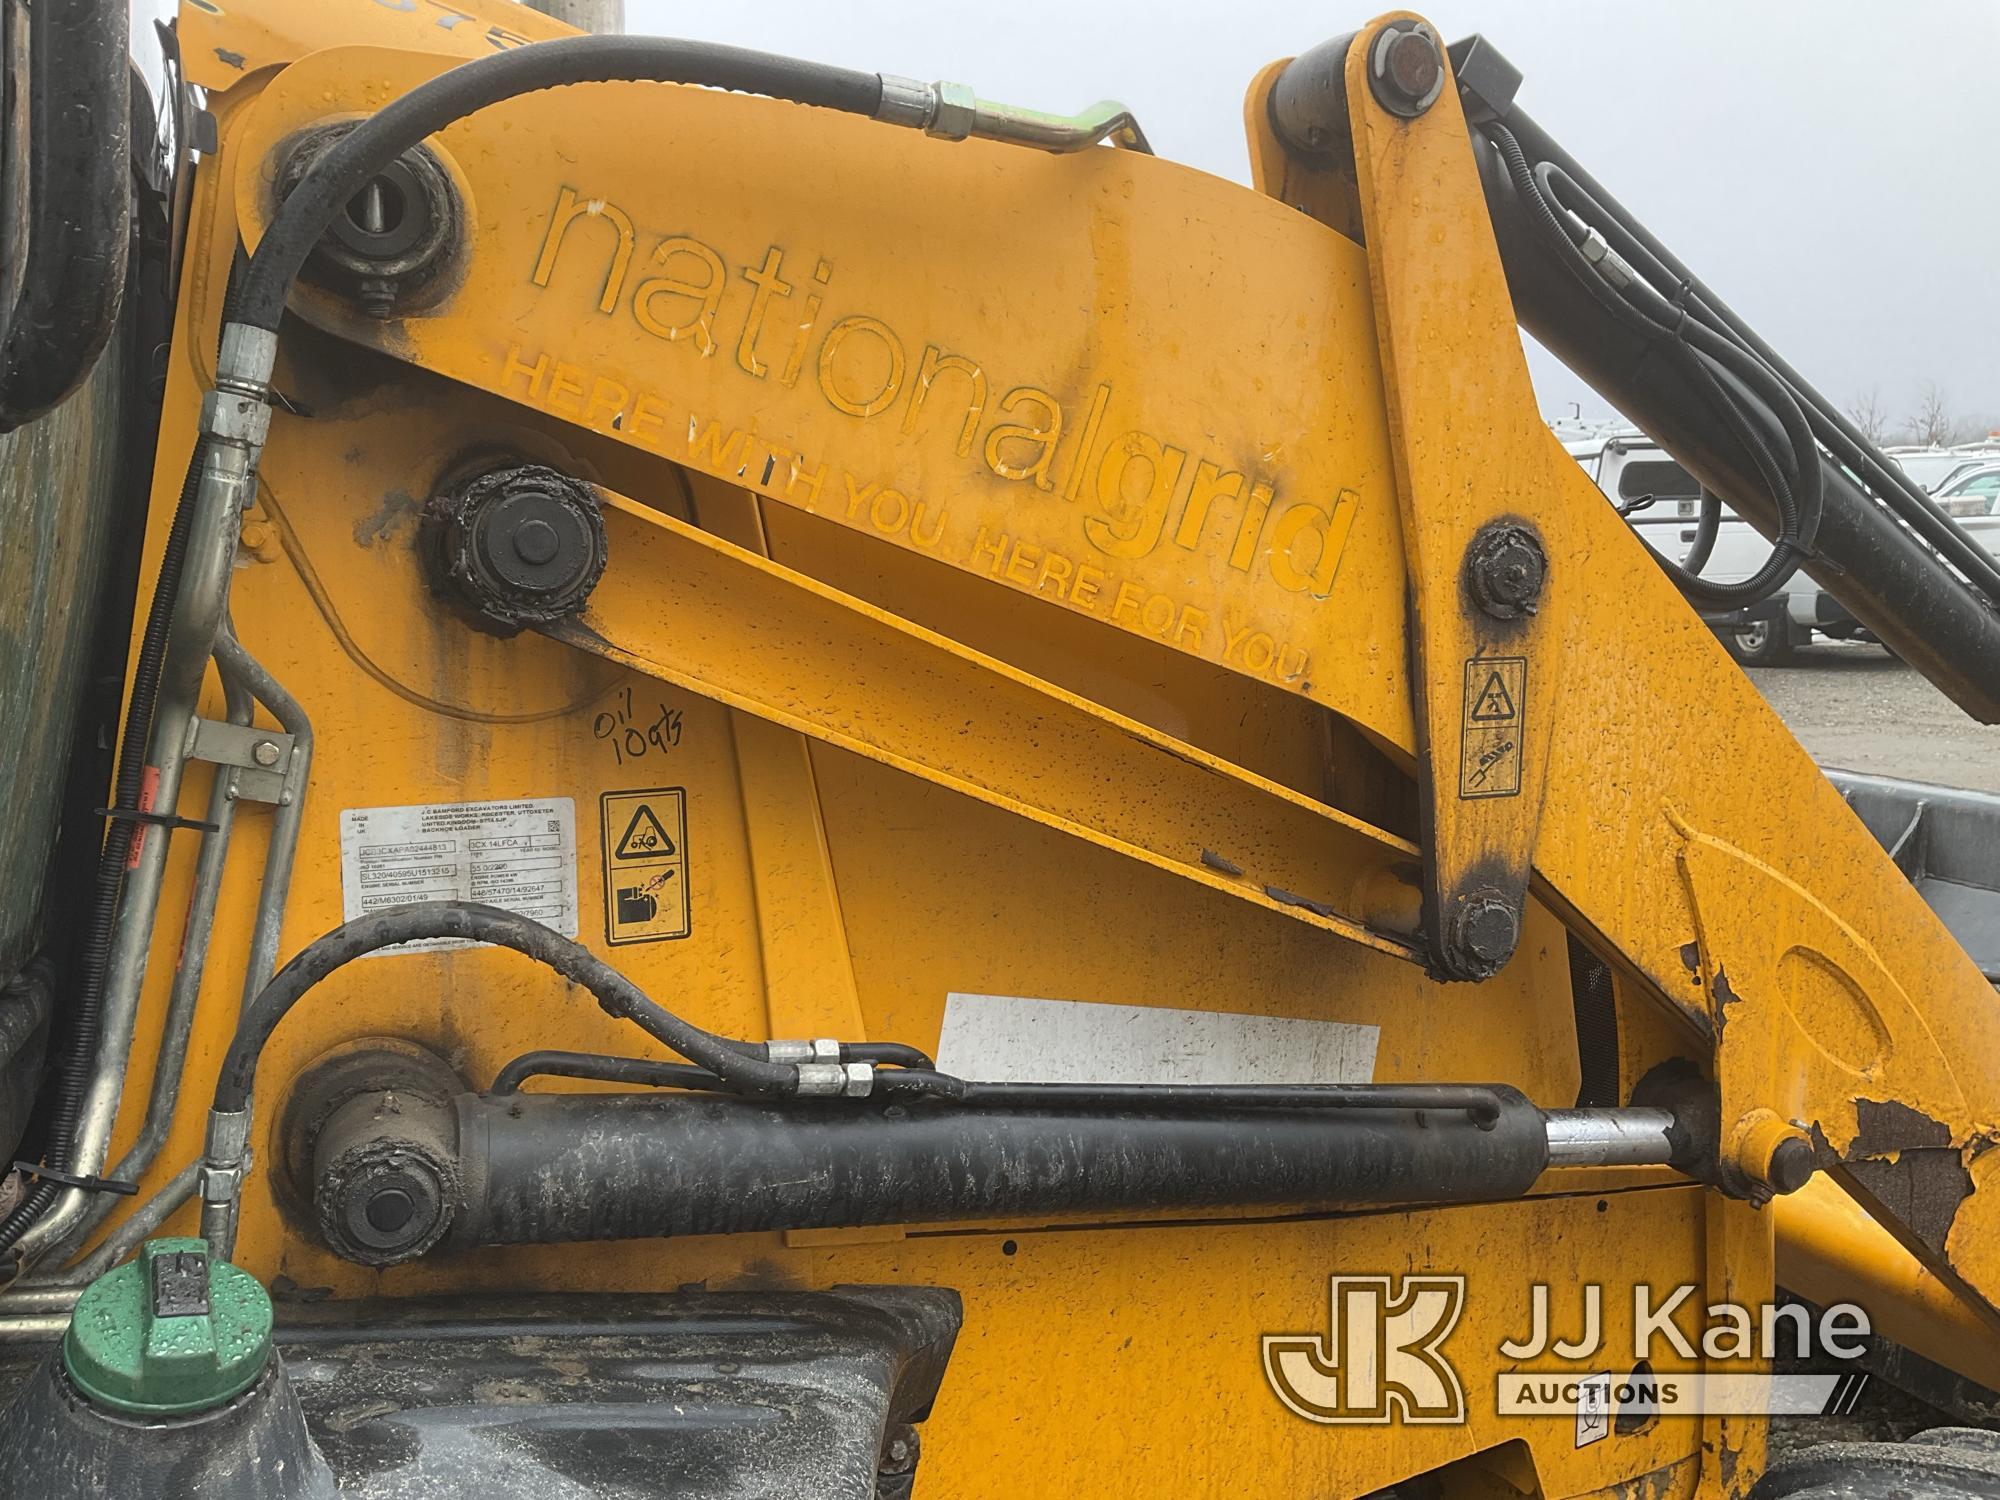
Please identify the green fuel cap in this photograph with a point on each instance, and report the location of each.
(172, 1332)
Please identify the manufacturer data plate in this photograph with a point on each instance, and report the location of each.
(517, 855)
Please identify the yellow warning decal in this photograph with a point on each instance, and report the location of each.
(645, 865)
(1496, 689)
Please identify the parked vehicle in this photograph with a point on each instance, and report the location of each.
(1662, 503)
(1934, 468)
(1974, 496)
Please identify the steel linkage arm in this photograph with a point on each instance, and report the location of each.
(1660, 798)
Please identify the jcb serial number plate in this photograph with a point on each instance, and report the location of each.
(645, 865)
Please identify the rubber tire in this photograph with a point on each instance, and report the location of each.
(1946, 1463)
(1769, 643)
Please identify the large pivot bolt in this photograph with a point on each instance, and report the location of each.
(393, 239)
(517, 546)
(1768, 1156)
(385, 1176)
(1406, 68)
(1484, 931)
(1505, 570)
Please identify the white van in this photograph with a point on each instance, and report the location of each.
(1632, 471)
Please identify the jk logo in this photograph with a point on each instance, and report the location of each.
(1379, 1358)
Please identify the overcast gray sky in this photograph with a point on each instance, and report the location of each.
(1831, 167)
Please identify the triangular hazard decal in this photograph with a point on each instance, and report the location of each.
(644, 838)
(1494, 705)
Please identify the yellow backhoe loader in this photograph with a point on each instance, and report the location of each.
(726, 778)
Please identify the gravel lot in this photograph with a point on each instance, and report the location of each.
(1857, 708)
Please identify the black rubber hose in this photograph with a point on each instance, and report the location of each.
(1895, 489)
(1798, 516)
(1666, 324)
(1707, 526)
(1481, 1102)
(1692, 341)
(599, 1067)
(469, 921)
(1697, 325)
(886, 1054)
(348, 165)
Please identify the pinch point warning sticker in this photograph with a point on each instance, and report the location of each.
(645, 865)
(1496, 690)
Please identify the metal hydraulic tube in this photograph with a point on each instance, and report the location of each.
(235, 419)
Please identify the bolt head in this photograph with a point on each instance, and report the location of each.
(1506, 570)
(264, 752)
(536, 542)
(1792, 1166)
(1407, 69)
(899, 1454)
(1487, 932)
(1411, 64)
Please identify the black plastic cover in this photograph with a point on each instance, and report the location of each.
(696, 1395)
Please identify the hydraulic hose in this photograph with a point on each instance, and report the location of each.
(1902, 495)
(599, 1067)
(1701, 349)
(729, 1061)
(1707, 526)
(1687, 318)
(1480, 1102)
(347, 166)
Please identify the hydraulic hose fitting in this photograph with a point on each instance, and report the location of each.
(824, 1080)
(821, 1049)
(224, 1165)
(237, 413)
(953, 112)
